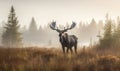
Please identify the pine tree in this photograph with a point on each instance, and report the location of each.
(100, 25)
(33, 26)
(11, 36)
(117, 33)
(118, 28)
(92, 27)
(106, 41)
(108, 29)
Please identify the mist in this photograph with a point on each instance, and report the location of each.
(88, 14)
(45, 36)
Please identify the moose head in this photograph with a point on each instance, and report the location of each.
(53, 26)
(66, 40)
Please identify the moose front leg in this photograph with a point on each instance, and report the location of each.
(71, 50)
(67, 50)
(63, 48)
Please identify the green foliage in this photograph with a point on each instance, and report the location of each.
(111, 37)
(106, 41)
(11, 36)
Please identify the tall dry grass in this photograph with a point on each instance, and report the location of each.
(52, 59)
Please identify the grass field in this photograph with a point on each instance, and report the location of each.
(52, 59)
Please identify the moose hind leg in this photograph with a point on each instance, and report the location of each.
(71, 50)
(75, 47)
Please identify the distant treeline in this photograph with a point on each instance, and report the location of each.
(84, 32)
(87, 32)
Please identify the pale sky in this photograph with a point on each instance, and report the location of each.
(62, 11)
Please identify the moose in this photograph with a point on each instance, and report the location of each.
(66, 40)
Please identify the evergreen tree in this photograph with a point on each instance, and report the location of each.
(92, 27)
(40, 30)
(117, 34)
(108, 29)
(100, 25)
(11, 36)
(118, 28)
(106, 41)
(93, 23)
(33, 26)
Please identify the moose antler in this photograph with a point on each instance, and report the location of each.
(73, 25)
(53, 26)
(69, 28)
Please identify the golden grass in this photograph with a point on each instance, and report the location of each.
(52, 59)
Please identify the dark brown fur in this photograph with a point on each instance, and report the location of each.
(66, 40)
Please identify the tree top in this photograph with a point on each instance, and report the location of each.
(12, 9)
